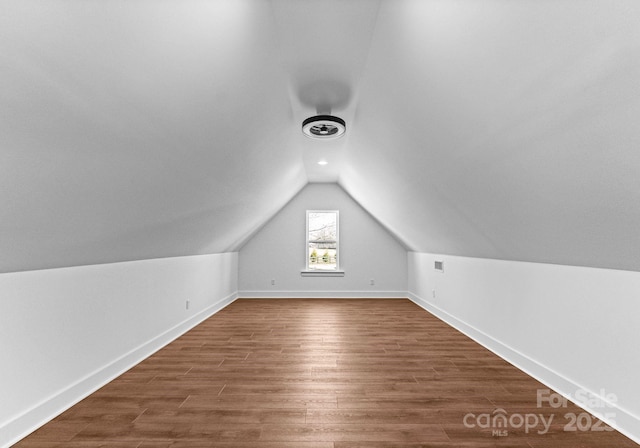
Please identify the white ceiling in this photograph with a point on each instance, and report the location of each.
(133, 129)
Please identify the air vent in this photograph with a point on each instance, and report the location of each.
(438, 266)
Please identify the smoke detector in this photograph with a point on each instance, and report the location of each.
(323, 127)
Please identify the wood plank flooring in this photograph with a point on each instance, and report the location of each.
(317, 374)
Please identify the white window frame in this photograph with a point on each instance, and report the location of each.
(308, 272)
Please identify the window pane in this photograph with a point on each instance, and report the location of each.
(322, 240)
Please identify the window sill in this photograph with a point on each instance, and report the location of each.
(322, 273)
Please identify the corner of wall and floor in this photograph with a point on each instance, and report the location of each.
(67, 332)
(569, 327)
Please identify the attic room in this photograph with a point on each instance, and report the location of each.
(158, 196)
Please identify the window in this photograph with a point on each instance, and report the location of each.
(322, 240)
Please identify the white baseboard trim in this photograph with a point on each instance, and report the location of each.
(27, 422)
(624, 421)
(322, 294)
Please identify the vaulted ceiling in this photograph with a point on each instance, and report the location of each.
(135, 129)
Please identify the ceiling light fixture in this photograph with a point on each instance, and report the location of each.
(324, 127)
(323, 162)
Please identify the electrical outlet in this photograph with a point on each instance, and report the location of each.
(372, 282)
(433, 291)
(187, 304)
(273, 282)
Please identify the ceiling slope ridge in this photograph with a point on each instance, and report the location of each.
(365, 66)
(397, 236)
(237, 246)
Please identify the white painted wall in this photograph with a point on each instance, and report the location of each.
(66, 332)
(367, 251)
(571, 327)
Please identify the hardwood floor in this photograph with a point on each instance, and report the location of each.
(318, 374)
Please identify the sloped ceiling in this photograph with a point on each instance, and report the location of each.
(134, 129)
(504, 129)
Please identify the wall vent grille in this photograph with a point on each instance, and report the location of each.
(438, 266)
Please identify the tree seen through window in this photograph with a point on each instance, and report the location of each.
(322, 240)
